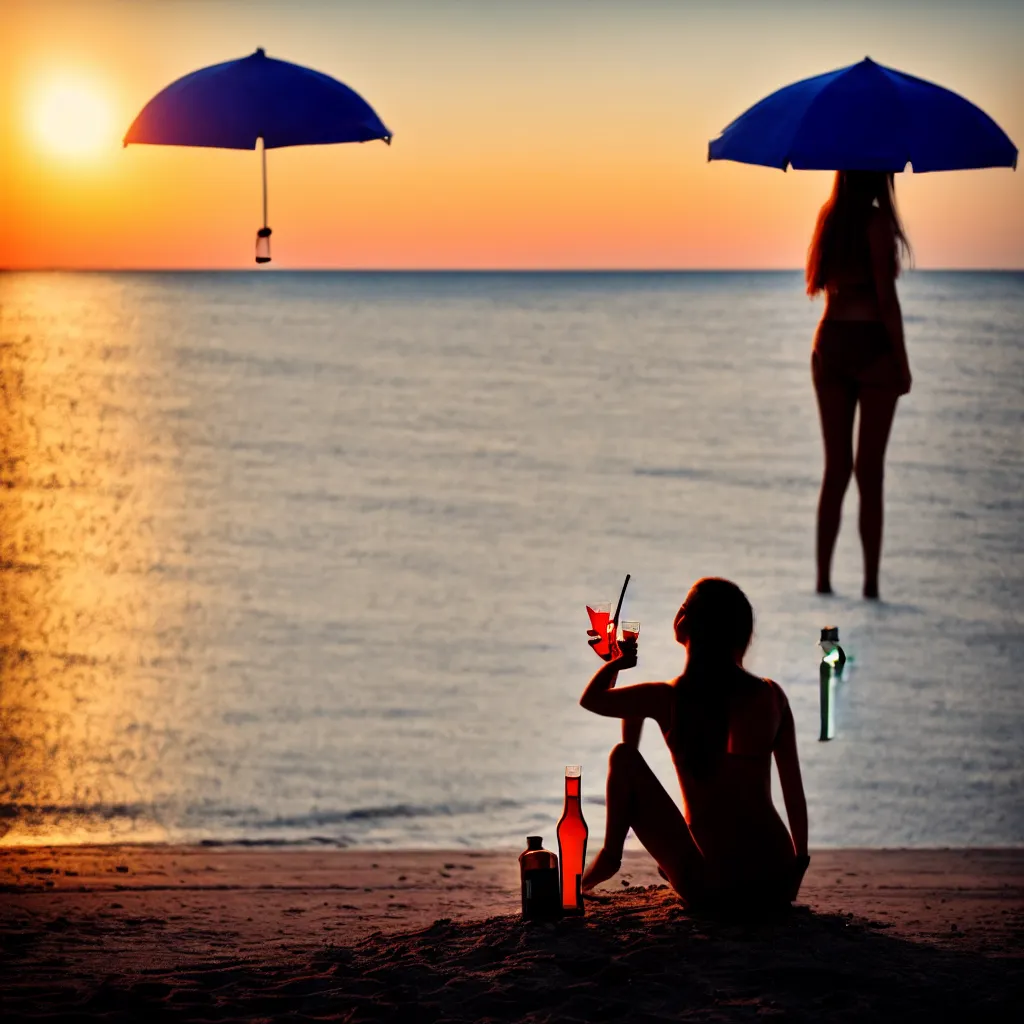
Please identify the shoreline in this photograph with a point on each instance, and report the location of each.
(342, 894)
(253, 933)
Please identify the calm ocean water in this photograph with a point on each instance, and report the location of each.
(304, 557)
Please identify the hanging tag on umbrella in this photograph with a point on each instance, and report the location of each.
(263, 245)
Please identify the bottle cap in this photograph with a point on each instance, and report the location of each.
(534, 842)
(573, 771)
(830, 633)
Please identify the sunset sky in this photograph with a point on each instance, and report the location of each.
(552, 134)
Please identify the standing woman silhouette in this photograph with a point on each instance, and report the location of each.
(859, 356)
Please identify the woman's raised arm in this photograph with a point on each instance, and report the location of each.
(642, 700)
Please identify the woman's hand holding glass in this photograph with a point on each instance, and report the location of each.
(624, 649)
(602, 636)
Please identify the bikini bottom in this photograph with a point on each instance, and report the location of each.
(743, 901)
(766, 896)
(854, 354)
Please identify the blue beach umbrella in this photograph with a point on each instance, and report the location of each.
(254, 99)
(865, 117)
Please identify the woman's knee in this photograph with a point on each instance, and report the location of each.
(870, 474)
(838, 470)
(625, 757)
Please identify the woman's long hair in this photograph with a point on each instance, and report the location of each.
(716, 622)
(840, 241)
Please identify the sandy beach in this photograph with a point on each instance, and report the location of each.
(228, 933)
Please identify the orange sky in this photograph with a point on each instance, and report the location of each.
(570, 133)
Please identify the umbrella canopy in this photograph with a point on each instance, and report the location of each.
(240, 102)
(231, 105)
(865, 117)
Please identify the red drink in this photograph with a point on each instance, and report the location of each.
(572, 843)
(630, 631)
(600, 619)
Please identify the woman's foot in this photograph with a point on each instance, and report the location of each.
(602, 867)
(824, 587)
(871, 590)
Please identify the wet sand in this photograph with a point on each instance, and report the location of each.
(224, 933)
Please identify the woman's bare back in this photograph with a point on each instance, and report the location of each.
(727, 802)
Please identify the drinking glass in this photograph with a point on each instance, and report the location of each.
(600, 613)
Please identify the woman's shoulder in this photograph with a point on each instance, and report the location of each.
(757, 682)
(663, 689)
(767, 688)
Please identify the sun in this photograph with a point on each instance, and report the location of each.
(72, 118)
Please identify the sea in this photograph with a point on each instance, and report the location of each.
(304, 558)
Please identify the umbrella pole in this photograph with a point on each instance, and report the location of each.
(263, 235)
(263, 150)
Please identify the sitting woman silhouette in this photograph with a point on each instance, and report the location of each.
(859, 357)
(728, 847)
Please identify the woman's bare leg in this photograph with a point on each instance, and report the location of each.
(877, 408)
(637, 800)
(836, 408)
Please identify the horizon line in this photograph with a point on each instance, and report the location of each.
(475, 270)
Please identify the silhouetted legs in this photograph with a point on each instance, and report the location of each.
(636, 799)
(836, 407)
(877, 408)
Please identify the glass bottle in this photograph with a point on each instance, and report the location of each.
(832, 653)
(538, 877)
(833, 658)
(572, 842)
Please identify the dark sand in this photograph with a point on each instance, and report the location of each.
(220, 933)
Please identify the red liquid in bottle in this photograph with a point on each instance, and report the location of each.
(572, 843)
(599, 623)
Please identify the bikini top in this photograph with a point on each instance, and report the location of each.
(851, 288)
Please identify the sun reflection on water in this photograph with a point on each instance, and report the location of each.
(84, 631)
